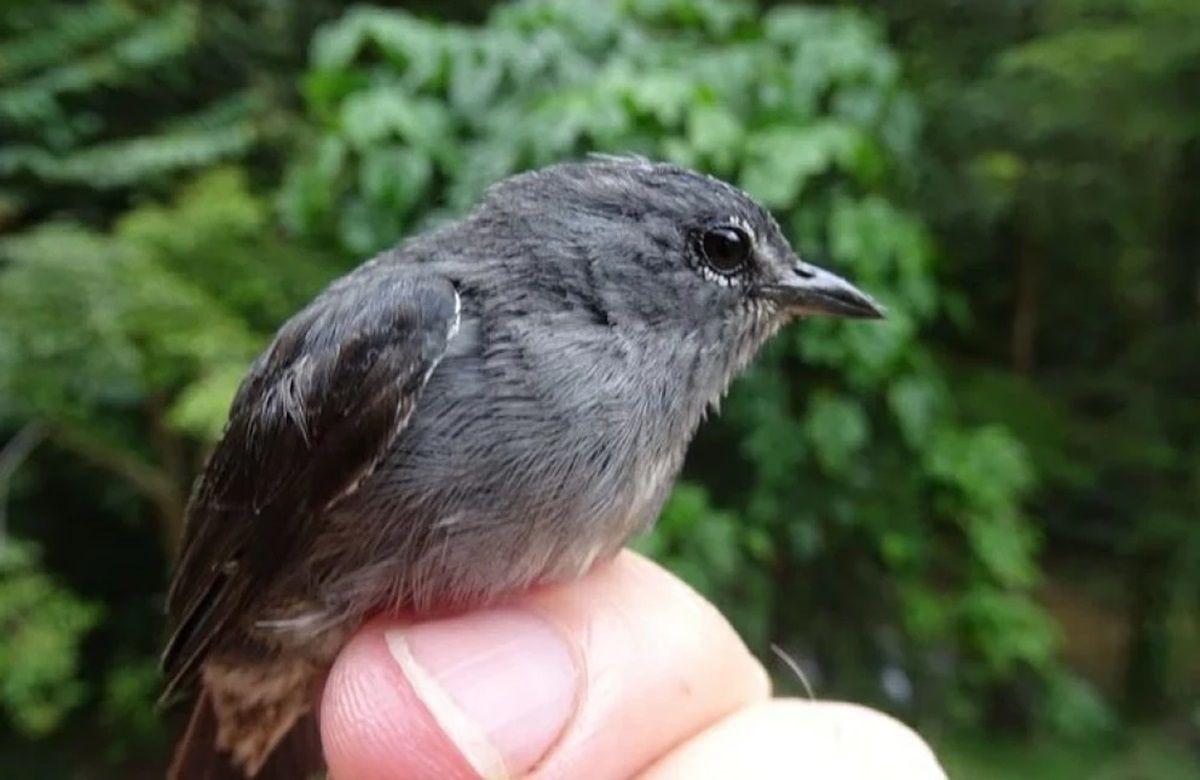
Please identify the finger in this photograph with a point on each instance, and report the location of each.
(591, 679)
(662, 664)
(788, 738)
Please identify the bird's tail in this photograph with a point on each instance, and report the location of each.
(297, 756)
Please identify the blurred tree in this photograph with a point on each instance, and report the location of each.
(148, 341)
(39, 659)
(123, 349)
(118, 347)
(104, 101)
(1060, 170)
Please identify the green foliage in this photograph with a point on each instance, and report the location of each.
(100, 98)
(448, 110)
(170, 305)
(130, 367)
(43, 625)
(1139, 755)
(128, 708)
(1060, 173)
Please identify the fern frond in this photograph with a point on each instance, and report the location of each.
(122, 163)
(60, 35)
(145, 48)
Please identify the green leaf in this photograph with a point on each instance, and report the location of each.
(716, 134)
(44, 625)
(1006, 547)
(837, 428)
(986, 465)
(385, 113)
(202, 407)
(918, 403)
(782, 160)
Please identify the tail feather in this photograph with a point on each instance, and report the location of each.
(296, 757)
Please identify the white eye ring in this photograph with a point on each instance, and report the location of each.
(721, 279)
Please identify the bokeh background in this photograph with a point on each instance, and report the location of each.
(982, 515)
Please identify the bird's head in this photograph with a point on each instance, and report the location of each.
(645, 245)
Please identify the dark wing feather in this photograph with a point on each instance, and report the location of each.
(315, 414)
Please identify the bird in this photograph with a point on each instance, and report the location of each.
(495, 403)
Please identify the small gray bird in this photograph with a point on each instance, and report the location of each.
(499, 402)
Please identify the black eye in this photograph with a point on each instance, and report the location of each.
(725, 248)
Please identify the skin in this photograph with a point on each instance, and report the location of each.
(657, 686)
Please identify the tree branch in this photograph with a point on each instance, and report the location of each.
(153, 483)
(15, 451)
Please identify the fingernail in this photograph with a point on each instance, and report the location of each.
(502, 684)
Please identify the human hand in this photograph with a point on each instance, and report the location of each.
(624, 673)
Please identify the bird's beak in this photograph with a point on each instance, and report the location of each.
(812, 290)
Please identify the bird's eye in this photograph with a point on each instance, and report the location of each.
(725, 249)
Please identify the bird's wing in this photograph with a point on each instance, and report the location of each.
(312, 418)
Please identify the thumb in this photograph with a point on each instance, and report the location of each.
(594, 678)
(502, 683)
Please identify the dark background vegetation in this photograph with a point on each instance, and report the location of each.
(982, 514)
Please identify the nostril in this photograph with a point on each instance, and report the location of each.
(804, 271)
